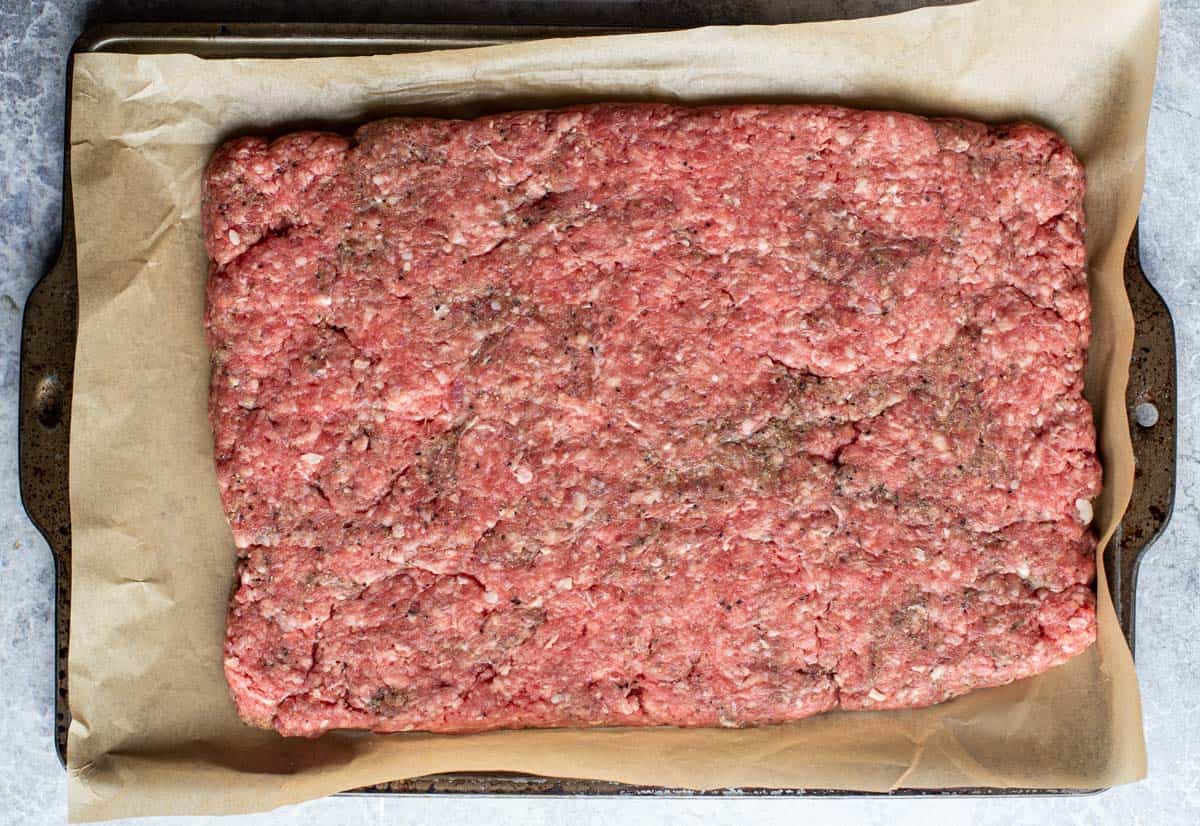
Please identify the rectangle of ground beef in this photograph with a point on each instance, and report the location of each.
(639, 414)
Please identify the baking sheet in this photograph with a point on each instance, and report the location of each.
(153, 731)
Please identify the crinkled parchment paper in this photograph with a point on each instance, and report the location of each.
(154, 731)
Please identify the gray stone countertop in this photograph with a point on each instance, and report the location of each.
(35, 37)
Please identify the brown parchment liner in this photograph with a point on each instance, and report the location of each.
(154, 731)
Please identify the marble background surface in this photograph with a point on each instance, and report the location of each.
(35, 37)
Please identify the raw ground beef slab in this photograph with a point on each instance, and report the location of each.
(635, 415)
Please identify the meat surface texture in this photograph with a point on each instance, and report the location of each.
(640, 415)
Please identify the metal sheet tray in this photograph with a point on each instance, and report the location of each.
(48, 357)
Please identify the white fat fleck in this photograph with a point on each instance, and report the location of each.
(234, 238)
(524, 475)
(937, 673)
(565, 584)
(491, 597)
(440, 311)
(234, 381)
(361, 364)
(496, 154)
(841, 517)
(646, 497)
(323, 300)
(557, 699)
(919, 553)
(877, 696)
(378, 180)
(1023, 571)
(311, 458)
(495, 305)
(1084, 509)
(1077, 623)
(939, 441)
(747, 427)
(579, 501)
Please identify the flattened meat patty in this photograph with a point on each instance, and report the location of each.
(638, 414)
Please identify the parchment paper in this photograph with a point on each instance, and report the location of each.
(154, 731)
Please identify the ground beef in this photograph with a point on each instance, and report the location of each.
(634, 415)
